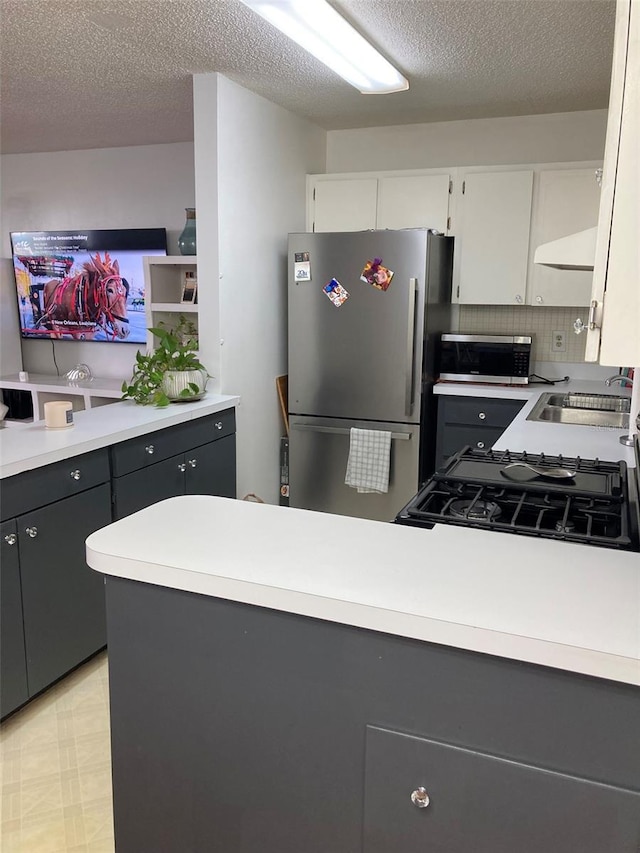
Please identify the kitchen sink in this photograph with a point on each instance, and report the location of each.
(603, 410)
(594, 402)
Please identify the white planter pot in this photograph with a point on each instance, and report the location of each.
(176, 381)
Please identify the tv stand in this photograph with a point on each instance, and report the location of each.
(86, 394)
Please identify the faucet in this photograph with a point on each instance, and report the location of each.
(619, 377)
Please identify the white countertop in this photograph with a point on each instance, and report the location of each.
(543, 437)
(34, 446)
(573, 607)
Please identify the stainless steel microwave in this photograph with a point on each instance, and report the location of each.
(498, 359)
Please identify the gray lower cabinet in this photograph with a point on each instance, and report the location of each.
(169, 463)
(424, 795)
(475, 421)
(62, 600)
(149, 485)
(13, 663)
(258, 731)
(211, 469)
(53, 612)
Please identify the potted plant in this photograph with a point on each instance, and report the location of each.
(170, 373)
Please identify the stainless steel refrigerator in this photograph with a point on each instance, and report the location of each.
(368, 362)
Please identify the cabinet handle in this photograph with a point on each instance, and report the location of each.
(31, 531)
(420, 798)
(150, 449)
(480, 444)
(218, 424)
(11, 539)
(539, 300)
(518, 298)
(75, 475)
(182, 467)
(482, 415)
(192, 462)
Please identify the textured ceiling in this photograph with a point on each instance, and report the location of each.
(102, 73)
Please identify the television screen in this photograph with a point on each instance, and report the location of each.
(84, 285)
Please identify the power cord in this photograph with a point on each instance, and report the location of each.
(53, 347)
(536, 379)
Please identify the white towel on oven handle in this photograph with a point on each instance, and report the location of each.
(369, 460)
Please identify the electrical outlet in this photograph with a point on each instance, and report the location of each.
(558, 342)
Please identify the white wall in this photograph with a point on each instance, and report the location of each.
(555, 138)
(147, 186)
(263, 155)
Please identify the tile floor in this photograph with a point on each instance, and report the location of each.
(55, 769)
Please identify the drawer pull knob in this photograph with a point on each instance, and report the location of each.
(150, 449)
(75, 475)
(193, 462)
(420, 798)
(482, 416)
(218, 424)
(31, 531)
(480, 444)
(518, 298)
(11, 539)
(182, 467)
(539, 300)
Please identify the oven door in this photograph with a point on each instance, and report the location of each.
(485, 358)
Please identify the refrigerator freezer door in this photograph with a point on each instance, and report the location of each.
(359, 360)
(318, 453)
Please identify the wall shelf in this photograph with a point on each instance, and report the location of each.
(163, 282)
(174, 307)
(43, 388)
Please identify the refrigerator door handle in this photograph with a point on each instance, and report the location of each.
(395, 436)
(409, 398)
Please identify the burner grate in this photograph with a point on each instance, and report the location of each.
(566, 510)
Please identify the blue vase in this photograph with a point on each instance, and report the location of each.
(187, 240)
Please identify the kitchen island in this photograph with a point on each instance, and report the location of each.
(287, 680)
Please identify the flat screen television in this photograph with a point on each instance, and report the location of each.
(84, 285)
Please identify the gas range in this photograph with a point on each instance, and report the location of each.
(477, 489)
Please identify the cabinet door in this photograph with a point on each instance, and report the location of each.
(346, 204)
(418, 201)
(493, 240)
(13, 665)
(148, 486)
(566, 202)
(211, 469)
(616, 295)
(62, 598)
(484, 804)
(474, 421)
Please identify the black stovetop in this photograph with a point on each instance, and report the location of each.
(472, 490)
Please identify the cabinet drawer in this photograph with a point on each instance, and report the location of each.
(454, 437)
(153, 447)
(483, 803)
(42, 486)
(479, 410)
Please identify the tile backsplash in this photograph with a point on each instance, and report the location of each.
(540, 323)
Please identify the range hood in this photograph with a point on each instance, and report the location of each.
(575, 252)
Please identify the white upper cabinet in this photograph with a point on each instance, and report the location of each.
(492, 241)
(614, 327)
(565, 201)
(414, 201)
(348, 204)
(362, 202)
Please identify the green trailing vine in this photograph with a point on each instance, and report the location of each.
(177, 350)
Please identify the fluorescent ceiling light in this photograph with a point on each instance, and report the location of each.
(318, 28)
